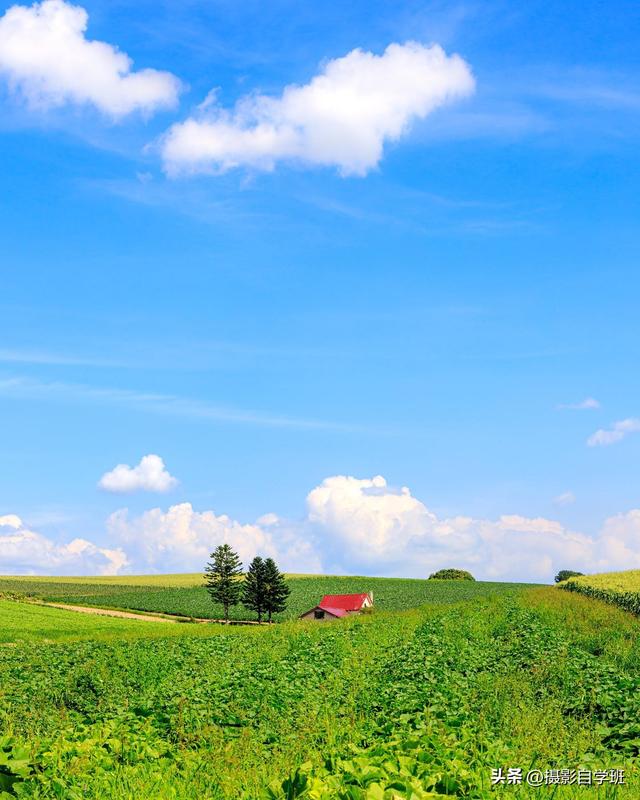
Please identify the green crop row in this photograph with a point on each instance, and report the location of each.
(392, 594)
(620, 589)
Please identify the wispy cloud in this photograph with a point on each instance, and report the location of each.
(178, 355)
(564, 499)
(590, 87)
(167, 404)
(588, 404)
(618, 431)
(45, 358)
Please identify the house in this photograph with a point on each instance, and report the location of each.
(334, 606)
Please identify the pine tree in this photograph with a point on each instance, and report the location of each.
(253, 595)
(221, 578)
(276, 590)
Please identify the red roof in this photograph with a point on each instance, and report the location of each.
(343, 602)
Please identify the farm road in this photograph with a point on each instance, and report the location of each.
(109, 612)
(112, 612)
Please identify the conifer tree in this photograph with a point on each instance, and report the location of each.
(221, 578)
(253, 595)
(276, 591)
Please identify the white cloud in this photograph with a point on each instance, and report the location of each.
(150, 475)
(588, 404)
(365, 525)
(364, 519)
(47, 59)
(341, 118)
(618, 431)
(351, 526)
(565, 499)
(26, 552)
(620, 541)
(10, 521)
(182, 539)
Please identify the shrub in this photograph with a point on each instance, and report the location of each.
(565, 574)
(451, 575)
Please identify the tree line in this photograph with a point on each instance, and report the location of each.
(263, 589)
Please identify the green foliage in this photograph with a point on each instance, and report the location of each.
(565, 574)
(451, 575)
(253, 591)
(221, 578)
(399, 706)
(15, 766)
(276, 591)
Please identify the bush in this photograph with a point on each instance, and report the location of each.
(451, 575)
(565, 574)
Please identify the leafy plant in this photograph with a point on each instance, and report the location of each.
(15, 766)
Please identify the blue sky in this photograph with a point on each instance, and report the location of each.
(266, 326)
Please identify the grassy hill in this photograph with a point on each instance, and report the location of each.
(184, 594)
(27, 622)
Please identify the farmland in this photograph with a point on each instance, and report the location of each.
(183, 596)
(619, 588)
(25, 622)
(421, 703)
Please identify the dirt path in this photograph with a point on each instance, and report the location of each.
(112, 612)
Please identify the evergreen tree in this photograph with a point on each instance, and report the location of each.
(253, 595)
(276, 591)
(221, 578)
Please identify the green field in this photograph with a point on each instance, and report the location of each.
(27, 622)
(180, 596)
(415, 704)
(620, 588)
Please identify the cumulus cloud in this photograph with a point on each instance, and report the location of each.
(10, 521)
(47, 59)
(364, 519)
(341, 118)
(26, 552)
(588, 404)
(150, 475)
(620, 541)
(618, 431)
(181, 539)
(366, 525)
(351, 525)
